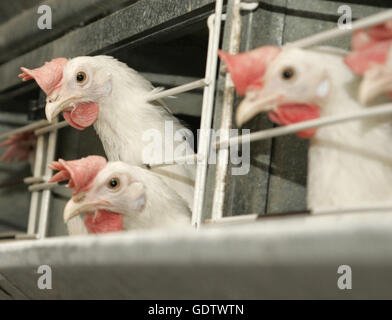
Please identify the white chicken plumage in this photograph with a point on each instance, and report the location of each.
(115, 196)
(349, 164)
(113, 98)
(371, 58)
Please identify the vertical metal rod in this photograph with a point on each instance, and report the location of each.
(34, 202)
(206, 113)
(46, 194)
(227, 114)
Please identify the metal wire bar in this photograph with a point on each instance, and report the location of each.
(325, 121)
(214, 25)
(180, 89)
(249, 6)
(34, 202)
(234, 219)
(14, 119)
(32, 180)
(186, 159)
(42, 186)
(376, 111)
(55, 126)
(227, 115)
(46, 194)
(45, 128)
(351, 209)
(26, 128)
(337, 32)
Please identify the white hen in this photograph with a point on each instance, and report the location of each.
(115, 196)
(106, 93)
(349, 164)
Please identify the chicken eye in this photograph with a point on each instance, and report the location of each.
(114, 183)
(288, 73)
(81, 77)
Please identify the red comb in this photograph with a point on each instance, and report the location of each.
(365, 38)
(20, 146)
(370, 46)
(247, 68)
(48, 76)
(80, 173)
(360, 61)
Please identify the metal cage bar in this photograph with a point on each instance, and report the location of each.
(46, 194)
(214, 25)
(34, 200)
(227, 114)
(39, 184)
(378, 111)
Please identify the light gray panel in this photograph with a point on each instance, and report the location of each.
(275, 258)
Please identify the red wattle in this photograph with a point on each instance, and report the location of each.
(290, 113)
(83, 116)
(103, 221)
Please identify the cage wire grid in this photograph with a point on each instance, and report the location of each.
(47, 132)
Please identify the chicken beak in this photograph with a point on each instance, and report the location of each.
(75, 207)
(374, 85)
(254, 103)
(56, 105)
(52, 110)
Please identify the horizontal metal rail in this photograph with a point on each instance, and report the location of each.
(32, 180)
(42, 186)
(14, 119)
(51, 127)
(233, 219)
(285, 130)
(382, 207)
(322, 122)
(29, 127)
(43, 126)
(180, 89)
(324, 36)
(185, 159)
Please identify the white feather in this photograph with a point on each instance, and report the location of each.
(125, 114)
(351, 163)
